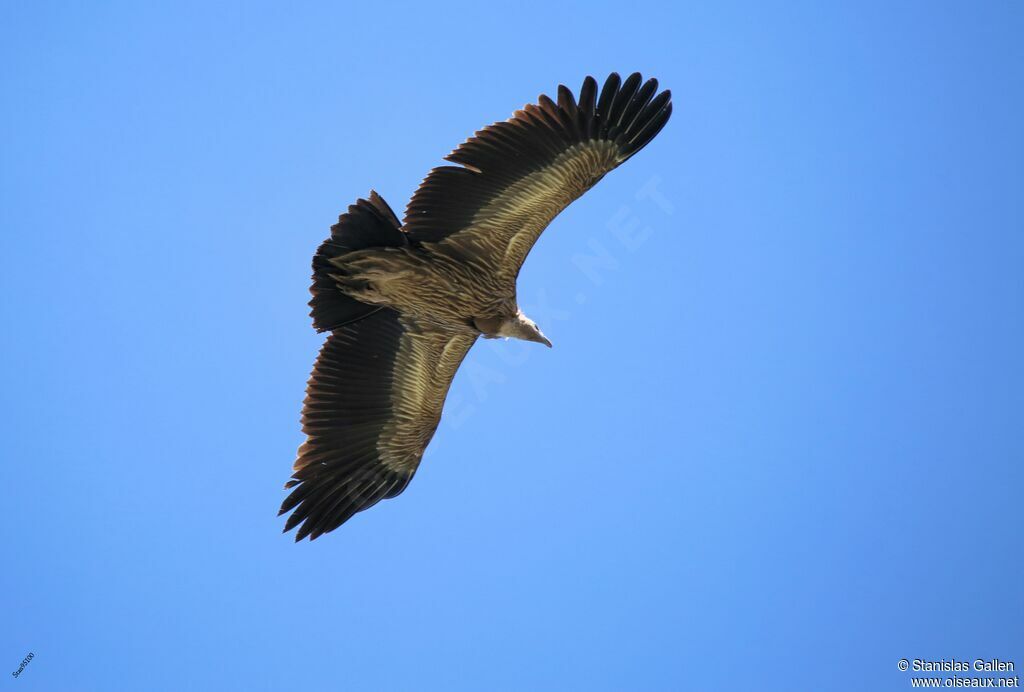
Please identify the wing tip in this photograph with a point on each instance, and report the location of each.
(503, 152)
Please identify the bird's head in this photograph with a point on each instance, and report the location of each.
(522, 327)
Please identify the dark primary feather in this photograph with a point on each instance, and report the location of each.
(535, 149)
(350, 460)
(348, 402)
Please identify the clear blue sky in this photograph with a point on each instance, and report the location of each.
(777, 445)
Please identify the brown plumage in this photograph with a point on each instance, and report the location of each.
(405, 302)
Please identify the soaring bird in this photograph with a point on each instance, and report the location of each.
(404, 301)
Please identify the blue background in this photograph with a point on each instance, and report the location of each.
(778, 442)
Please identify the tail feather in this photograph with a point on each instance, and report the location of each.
(367, 223)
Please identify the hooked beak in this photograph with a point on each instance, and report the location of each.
(541, 339)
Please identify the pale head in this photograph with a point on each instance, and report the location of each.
(522, 327)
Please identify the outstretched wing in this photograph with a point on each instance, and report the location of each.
(518, 175)
(372, 404)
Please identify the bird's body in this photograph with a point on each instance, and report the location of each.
(405, 301)
(435, 283)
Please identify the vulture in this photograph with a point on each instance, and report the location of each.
(404, 301)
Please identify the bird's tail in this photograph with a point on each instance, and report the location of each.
(367, 223)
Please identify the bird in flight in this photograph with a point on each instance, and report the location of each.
(404, 301)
